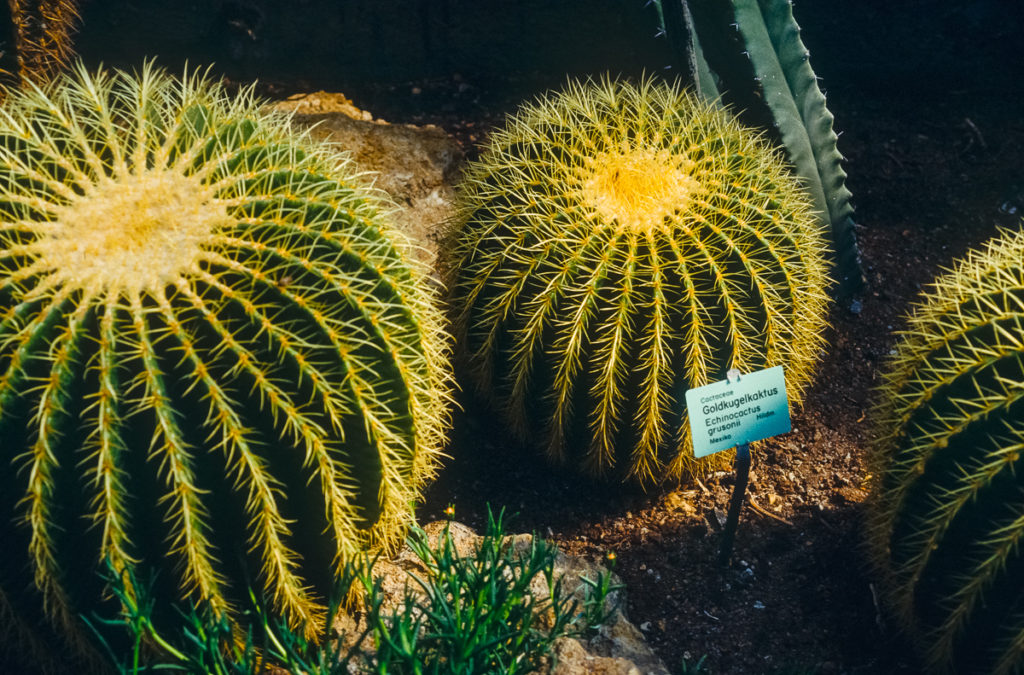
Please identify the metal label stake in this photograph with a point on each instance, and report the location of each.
(733, 414)
(736, 503)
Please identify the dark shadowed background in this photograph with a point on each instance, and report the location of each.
(903, 44)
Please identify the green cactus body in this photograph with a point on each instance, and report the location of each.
(948, 508)
(619, 245)
(216, 358)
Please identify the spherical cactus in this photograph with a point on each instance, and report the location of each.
(619, 245)
(947, 514)
(217, 360)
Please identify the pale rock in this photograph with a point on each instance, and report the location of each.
(415, 166)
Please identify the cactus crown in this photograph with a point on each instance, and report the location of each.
(946, 521)
(158, 223)
(620, 243)
(213, 347)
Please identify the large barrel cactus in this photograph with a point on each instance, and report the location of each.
(948, 509)
(216, 359)
(622, 243)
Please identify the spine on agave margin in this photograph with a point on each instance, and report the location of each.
(749, 53)
(216, 360)
(948, 506)
(37, 39)
(619, 245)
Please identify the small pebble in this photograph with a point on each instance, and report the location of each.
(758, 604)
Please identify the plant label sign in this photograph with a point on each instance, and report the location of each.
(739, 410)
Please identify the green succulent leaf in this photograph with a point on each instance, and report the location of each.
(749, 55)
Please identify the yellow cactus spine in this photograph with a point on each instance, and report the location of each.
(217, 359)
(946, 521)
(621, 243)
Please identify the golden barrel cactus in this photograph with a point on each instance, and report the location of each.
(619, 244)
(947, 511)
(217, 359)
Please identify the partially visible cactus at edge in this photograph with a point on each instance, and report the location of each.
(749, 53)
(37, 42)
(621, 244)
(217, 359)
(947, 516)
